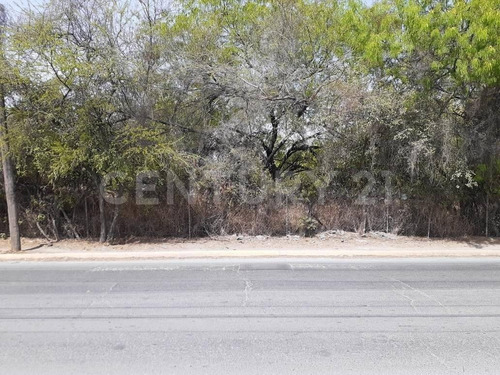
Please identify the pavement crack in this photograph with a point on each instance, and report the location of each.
(248, 285)
(89, 306)
(94, 301)
(434, 355)
(248, 289)
(399, 292)
(110, 289)
(418, 291)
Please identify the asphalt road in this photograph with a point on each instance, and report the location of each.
(430, 316)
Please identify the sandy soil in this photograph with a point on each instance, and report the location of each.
(328, 241)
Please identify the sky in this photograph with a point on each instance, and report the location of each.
(12, 5)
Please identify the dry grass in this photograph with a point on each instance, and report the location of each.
(202, 218)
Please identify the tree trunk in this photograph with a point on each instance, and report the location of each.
(71, 225)
(487, 233)
(10, 195)
(189, 218)
(7, 165)
(55, 231)
(102, 218)
(429, 224)
(9, 179)
(43, 232)
(112, 227)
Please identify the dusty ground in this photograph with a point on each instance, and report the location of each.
(327, 244)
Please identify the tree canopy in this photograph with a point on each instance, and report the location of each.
(335, 114)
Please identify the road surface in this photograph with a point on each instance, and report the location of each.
(433, 316)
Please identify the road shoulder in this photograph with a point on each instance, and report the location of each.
(325, 245)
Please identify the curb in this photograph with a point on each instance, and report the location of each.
(235, 254)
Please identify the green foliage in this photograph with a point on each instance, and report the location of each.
(295, 91)
(309, 226)
(459, 39)
(489, 177)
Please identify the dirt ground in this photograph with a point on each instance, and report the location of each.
(326, 241)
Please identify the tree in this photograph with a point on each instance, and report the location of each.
(79, 103)
(266, 95)
(7, 164)
(259, 69)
